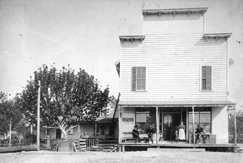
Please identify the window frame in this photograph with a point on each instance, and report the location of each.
(201, 78)
(134, 79)
(152, 112)
(200, 111)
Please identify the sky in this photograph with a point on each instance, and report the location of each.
(85, 34)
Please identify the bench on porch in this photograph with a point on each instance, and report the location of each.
(206, 138)
(128, 136)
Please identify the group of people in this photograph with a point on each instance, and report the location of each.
(150, 132)
(180, 134)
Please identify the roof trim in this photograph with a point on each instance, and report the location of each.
(175, 103)
(132, 38)
(174, 11)
(216, 36)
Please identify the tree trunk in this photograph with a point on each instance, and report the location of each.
(64, 131)
(10, 126)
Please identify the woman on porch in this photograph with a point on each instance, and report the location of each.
(181, 131)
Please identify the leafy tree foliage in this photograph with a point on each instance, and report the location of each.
(239, 124)
(9, 112)
(67, 99)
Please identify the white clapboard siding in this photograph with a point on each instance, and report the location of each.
(173, 63)
(173, 24)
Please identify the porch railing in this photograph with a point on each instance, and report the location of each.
(102, 143)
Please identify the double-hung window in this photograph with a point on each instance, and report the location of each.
(138, 78)
(206, 78)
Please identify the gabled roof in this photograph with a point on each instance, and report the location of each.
(174, 11)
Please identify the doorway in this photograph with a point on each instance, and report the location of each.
(58, 133)
(171, 121)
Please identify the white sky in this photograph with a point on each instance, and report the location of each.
(84, 34)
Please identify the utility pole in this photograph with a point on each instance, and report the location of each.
(38, 118)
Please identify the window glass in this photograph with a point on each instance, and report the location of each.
(138, 78)
(201, 117)
(144, 118)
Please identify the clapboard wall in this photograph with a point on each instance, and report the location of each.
(173, 67)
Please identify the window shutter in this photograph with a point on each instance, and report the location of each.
(206, 77)
(134, 78)
(208, 83)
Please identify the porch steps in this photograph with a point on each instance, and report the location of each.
(177, 149)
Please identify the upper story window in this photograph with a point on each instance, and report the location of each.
(138, 78)
(206, 78)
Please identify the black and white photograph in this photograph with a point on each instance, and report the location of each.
(118, 81)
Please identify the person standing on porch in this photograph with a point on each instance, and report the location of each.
(135, 134)
(181, 131)
(150, 133)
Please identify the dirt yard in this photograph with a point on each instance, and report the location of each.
(120, 157)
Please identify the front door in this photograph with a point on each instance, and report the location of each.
(171, 123)
(58, 133)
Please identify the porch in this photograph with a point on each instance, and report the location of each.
(172, 145)
(167, 116)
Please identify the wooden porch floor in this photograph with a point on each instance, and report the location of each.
(214, 147)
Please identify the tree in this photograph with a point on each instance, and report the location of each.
(10, 114)
(239, 123)
(67, 99)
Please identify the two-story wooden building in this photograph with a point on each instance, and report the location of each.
(174, 72)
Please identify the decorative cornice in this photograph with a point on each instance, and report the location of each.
(132, 38)
(174, 11)
(216, 36)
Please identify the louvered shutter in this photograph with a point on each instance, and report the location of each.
(206, 77)
(134, 78)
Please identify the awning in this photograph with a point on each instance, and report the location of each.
(196, 103)
(106, 120)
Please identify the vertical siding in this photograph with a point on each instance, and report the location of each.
(173, 64)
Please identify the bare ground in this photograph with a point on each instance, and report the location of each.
(120, 157)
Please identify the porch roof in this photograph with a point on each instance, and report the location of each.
(196, 103)
(106, 120)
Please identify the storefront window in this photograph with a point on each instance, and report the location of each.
(144, 118)
(201, 116)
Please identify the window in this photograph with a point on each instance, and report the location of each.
(206, 77)
(144, 118)
(202, 116)
(138, 78)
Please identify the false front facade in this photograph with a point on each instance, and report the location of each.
(174, 72)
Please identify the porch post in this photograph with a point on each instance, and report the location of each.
(187, 123)
(78, 130)
(193, 125)
(235, 132)
(157, 125)
(95, 132)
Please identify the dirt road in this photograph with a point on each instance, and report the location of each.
(120, 157)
